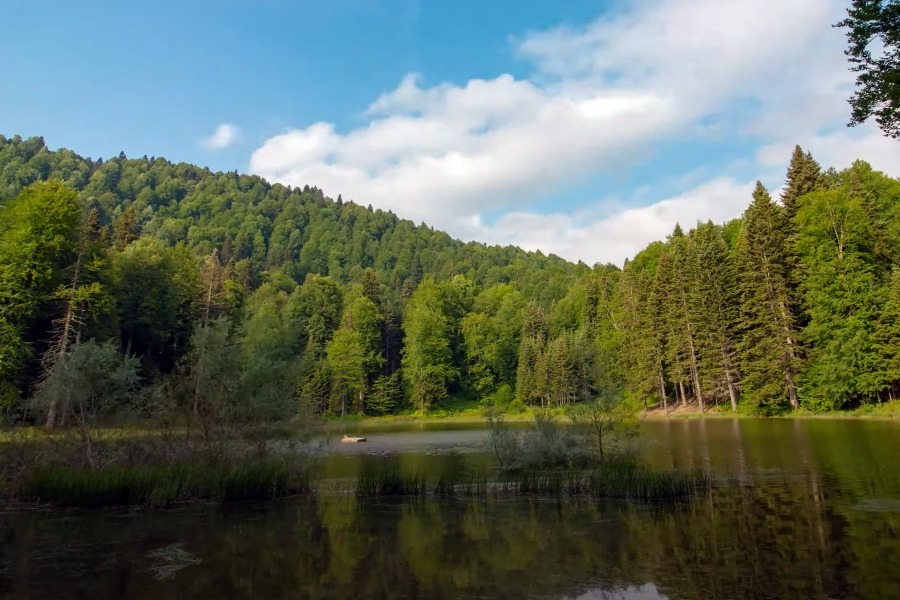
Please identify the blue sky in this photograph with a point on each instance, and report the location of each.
(586, 129)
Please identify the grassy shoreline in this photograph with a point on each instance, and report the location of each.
(167, 486)
(886, 412)
(882, 412)
(18, 435)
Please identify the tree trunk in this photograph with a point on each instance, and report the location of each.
(695, 371)
(662, 392)
(199, 376)
(732, 394)
(63, 343)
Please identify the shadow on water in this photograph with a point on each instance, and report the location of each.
(816, 515)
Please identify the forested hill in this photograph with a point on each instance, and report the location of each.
(141, 287)
(272, 231)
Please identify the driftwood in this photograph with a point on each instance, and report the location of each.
(353, 440)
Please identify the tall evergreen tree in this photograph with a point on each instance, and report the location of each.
(804, 175)
(641, 348)
(770, 348)
(676, 280)
(714, 307)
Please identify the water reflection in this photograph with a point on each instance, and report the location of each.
(815, 514)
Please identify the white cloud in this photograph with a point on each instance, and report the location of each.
(621, 235)
(839, 149)
(601, 99)
(224, 136)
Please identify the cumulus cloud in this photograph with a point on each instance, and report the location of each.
(224, 136)
(601, 98)
(618, 236)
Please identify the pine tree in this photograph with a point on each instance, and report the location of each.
(769, 348)
(640, 352)
(675, 279)
(714, 306)
(559, 370)
(670, 326)
(804, 175)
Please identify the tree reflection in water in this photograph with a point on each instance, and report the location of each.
(813, 517)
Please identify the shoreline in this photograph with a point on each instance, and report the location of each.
(12, 435)
(885, 413)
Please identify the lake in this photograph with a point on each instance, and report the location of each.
(813, 513)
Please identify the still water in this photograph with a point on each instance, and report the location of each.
(814, 514)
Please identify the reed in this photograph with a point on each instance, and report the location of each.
(391, 482)
(625, 481)
(161, 486)
(610, 481)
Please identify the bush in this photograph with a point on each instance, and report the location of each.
(516, 407)
(546, 446)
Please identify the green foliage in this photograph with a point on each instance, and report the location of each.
(427, 355)
(770, 343)
(91, 384)
(162, 486)
(386, 396)
(38, 235)
(870, 24)
(843, 297)
(246, 302)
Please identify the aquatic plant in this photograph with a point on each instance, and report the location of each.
(161, 486)
(391, 482)
(612, 480)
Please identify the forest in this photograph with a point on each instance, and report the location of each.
(134, 286)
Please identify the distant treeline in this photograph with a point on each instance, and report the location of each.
(130, 283)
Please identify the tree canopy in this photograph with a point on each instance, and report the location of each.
(873, 39)
(235, 299)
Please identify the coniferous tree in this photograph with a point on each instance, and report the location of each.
(769, 347)
(637, 354)
(675, 281)
(531, 374)
(804, 175)
(714, 307)
(559, 370)
(671, 326)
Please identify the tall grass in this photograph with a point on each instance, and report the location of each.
(391, 482)
(621, 480)
(162, 486)
(629, 481)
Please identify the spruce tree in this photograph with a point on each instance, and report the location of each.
(804, 175)
(714, 308)
(676, 365)
(676, 279)
(769, 349)
(641, 351)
